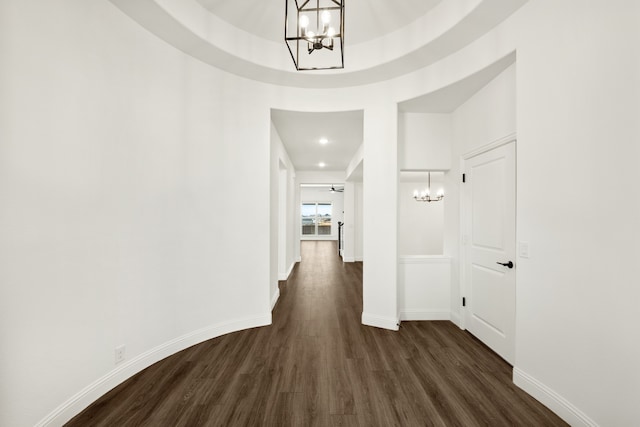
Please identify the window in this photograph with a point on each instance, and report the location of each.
(316, 219)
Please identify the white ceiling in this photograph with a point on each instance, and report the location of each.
(447, 99)
(300, 133)
(367, 19)
(245, 37)
(384, 39)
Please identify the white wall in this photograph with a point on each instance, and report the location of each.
(578, 105)
(125, 166)
(125, 215)
(283, 232)
(424, 141)
(348, 234)
(380, 215)
(420, 224)
(359, 214)
(487, 116)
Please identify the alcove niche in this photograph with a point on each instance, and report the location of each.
(424, 271)
(421, 225)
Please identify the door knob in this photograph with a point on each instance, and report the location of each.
(506, 264)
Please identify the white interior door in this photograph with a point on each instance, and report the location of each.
(490, 216)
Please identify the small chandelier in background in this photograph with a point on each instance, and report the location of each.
(314, 33)
(425, 195)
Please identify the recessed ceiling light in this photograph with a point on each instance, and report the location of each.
(324, 141)
(322, 164)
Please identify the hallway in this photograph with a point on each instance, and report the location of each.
(317, 365)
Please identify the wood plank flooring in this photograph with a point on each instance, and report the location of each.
(317, 365)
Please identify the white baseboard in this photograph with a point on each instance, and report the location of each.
(455, 319)
(349, 259)
(359, 259)
(552, 400)
(127, 369)
(424, 315)
(299, 259)
(380, 322)
(291, 267)
(274, 298)
(286, 275)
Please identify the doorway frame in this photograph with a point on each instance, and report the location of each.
(465, 223)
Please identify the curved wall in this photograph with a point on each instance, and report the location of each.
(124, 217)
(124, 171)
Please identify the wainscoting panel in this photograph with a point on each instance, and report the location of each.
(424, 287)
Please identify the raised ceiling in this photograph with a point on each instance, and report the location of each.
(384, 39)
(367, 19)
(300, 132)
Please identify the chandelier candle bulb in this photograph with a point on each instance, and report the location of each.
(304, 23)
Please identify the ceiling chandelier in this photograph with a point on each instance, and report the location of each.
(314, 33)
(425, 195)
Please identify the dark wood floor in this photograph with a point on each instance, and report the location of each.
(317, 365)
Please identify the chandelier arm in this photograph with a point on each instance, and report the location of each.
(303, 5)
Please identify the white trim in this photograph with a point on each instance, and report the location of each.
(274, 298)
(424, 259)
(462, 245)
(359, 259)
(380, 322)
(299, 259)
(455, 319)
(417, 314)
(349, 259)
(126, 370)
(354, 163)
(490, 146)
(558, 404)
(291, 267)
(288, 273)
(464, 220)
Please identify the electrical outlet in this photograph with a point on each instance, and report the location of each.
(119, 353)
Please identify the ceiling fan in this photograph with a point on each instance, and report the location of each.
(336, 190)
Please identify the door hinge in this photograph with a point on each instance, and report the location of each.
(464, 177)
(464, 302)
